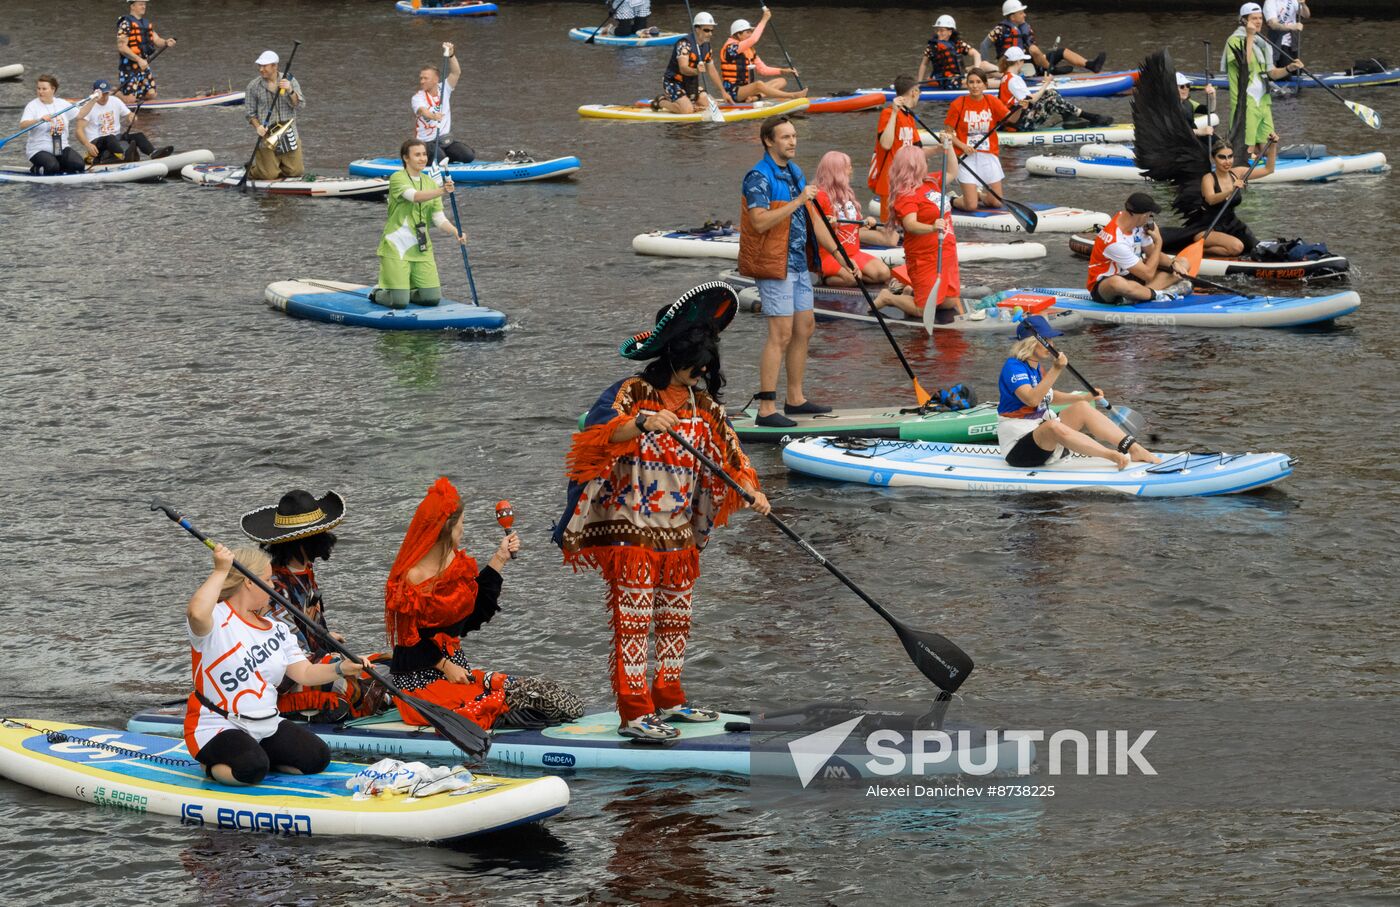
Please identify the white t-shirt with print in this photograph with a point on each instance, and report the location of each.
(428, 130)
(106, 119)
(41, 137)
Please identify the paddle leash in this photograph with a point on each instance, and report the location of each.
(1366, 114)
(464, 733)
(446, 175)
(1024, 216)
(774, 29)
(267, 120)
(920, 394)
(612, 11)
(936, 657)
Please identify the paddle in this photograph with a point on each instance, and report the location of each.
(936, 294)
(1026, 217)
(267, 120)
(920, 394)
(712, 113)
(145, 93)
(936, 657)
(1367, 115)
(1127, 419)
(774, 29)
(612, 11)
(41, 122)
(1210, 108)
(1196, 250)
(464, 733)
(446, 175)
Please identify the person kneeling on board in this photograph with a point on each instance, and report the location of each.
(100, 132)
(407, 270)
(632, 17)
(681, 91)
(1044, 103)
(740, 65)
(921, 211)
(1128, 263)
(269, 93)
(432, 109)
(232, 725)
(1030, 433)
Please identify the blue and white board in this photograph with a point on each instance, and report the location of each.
(666, 37)
(968, 467)
(1331, 79)
(348, 303)
(457, 9)
(1094, 164)
(1209, 310)
(1051, 218)
(480, 172)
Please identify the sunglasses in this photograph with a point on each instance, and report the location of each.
(707, 30)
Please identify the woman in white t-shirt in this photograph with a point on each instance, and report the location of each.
(239, 657)
(48, 149)
(432, 111)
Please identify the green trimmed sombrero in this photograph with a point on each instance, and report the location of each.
(712, 304)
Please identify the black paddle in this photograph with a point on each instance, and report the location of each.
(774, 29)
(267, 120)
(612, 11)
(1367, 115)
(1026, 217)
(464, 733)
(447, 175)
(145, 93)
(1196, 250)
(1210, 109)
(1127, 419)
(936, 657)
(920, 394)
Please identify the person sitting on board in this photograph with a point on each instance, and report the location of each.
(434, 596)
(918, 199)
(1248, 63)
(432, 110)
(896, 129)
(296, 532)
(837, 200)
(681, 89)
(1030, 433)
(137, 41)
(1283, 17)
(407, 269)
(631, 17)
(282, 98)
(1193, 109)
(971, 120)
(640, 507)
(1041, 105)
(1231, 237)
(240, 656)
(48, 150)
(740, 65)
(1015, 31)
(1128, 263)
(100, 132)
(942, 66)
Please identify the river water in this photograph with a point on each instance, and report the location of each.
(137, 358)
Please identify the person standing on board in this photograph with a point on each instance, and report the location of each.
(432, 111)
(269, 92)
(1247, 61)
(137, 41)
(895, 130)
(632, 17)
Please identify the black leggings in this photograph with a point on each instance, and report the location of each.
(626, 28)
(115, 145)
(45, 163)
(293, 746)
(455, 152)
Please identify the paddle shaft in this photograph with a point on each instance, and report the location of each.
(774, 29)
(1026, 217)
(1236, 191)
(4, 142)
(452, 196)
(884, 326)
(145, 92)
(1301, 68)
(267, 120)
(700, 64)
(1045, 342)
(612, 11)
(1210, 107)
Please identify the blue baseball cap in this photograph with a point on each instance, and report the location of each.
(1042, 327)
(102, 85)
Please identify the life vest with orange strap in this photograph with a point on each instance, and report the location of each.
(693, 57)
(138, 37)
(945, 58)
(1007, 35)
(736, 66)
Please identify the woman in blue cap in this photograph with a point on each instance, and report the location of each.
(1030, 432)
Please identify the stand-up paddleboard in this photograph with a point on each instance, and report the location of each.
(473, 8)
(1328, 266)
(1209, 310)
(173, 163)
(1126, 170)
(335, 302)
(11, 71)
(1099, 85)
(310, 186)
(1059, 135)
(1348, 79)
(481, 172)
(151, 774)
(960, 467)
(1052, 218)
(209, 99)
(727, 746)
(1293, 165)
(135, 172)
(723, 242)
(842, 103)
(633, 114)
(666, 37)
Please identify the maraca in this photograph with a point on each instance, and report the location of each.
(505, 515)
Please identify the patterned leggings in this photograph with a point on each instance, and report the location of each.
(634, 607)
(1041, 111)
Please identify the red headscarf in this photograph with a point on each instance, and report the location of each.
(440, 602)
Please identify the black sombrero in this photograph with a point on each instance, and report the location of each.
(712, 304)
(296, 516)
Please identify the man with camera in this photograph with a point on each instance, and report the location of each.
(1128, 263)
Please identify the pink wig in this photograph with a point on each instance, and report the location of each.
(907, 173)
(831, 178)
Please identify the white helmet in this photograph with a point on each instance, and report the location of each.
(1012, 6)
(739, 25)
(703, 19)
(945, 21)
(1250, 9)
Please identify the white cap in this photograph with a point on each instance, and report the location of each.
(1250, 9)
(1181, 80)
(266, 57)
(739, 25)
(1012, 6)
(945, 21)
(703, 19)
(1015, 53)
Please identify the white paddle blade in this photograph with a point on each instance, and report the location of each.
(1367, 115)
(931, 304)
(712, 114)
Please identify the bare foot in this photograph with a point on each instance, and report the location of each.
(1143, 455)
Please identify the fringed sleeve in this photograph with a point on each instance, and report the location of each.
(593, 452)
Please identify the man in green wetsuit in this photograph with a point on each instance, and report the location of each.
(407, 271)
(1259, 69)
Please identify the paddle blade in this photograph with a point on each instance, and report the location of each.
(1367, 115)
(936, 657)
(712, 114)
(920, 394)
(931, 305)
(1128, 419)
(464, 733)
(1027, 218)
(1192, 255)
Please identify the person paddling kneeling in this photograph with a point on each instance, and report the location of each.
(407, 270)
(1029, 432)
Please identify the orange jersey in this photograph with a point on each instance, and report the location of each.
(971, 120)
(905, 133)
(1114, 252)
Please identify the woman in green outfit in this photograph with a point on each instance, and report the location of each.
(407, 271)
(1245, 46)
